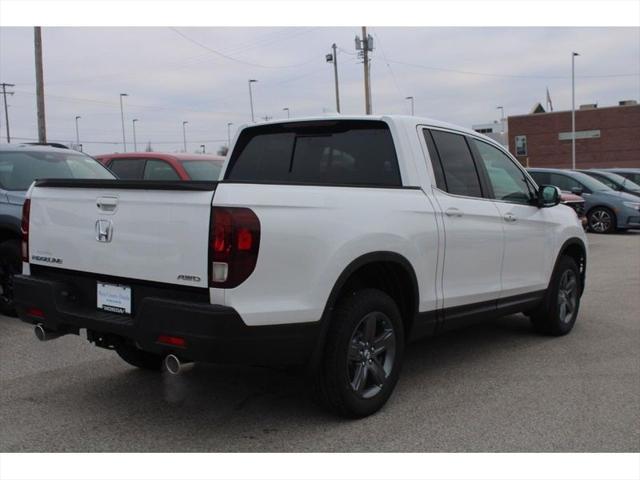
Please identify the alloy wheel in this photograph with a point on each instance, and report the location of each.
(600, 221)
(567, 296)
(371, 355)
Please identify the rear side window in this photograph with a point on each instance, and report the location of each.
(127, 168)
(541, 178)
(458, 167)
(341, 152)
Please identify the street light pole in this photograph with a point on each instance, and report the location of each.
(288, 112)
(135, 141)
(184, 135)
(229, 134)
(501, 118)
(411, 98)
(78, 117)
(124, 139)
(573, 110)
(251, 99)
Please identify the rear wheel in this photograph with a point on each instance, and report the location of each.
(602, 220)
(363, 354)
(558, 313)
(10, 265)
(138, 358)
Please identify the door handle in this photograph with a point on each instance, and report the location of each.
(509, 217)
(453, 212)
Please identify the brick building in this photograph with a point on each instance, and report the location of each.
(605, 137)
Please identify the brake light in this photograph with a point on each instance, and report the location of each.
(173, 341)
(233, 246)
(24, 230)
(35, 312)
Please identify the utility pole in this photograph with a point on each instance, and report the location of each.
(124, 139)
(184, 135)
(135, 142)
(251, 99)
(573, 110)
(333, 58)
(411, 99)
(78, 117)
(37, 43)
(229, 134)
(6, 108)
(365, 46)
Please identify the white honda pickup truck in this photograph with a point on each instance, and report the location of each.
(327, 242)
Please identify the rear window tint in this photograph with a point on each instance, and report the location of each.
(321, 153)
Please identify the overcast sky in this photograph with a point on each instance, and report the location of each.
(458, 75)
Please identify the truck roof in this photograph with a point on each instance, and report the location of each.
(407, 121)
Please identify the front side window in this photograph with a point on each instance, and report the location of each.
(459, 172)
(202, 169)
(19, 169)
(507, 180)
(343, 152)
(159, 170)
(564, 182)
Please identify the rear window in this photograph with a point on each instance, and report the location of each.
(202, 169)
(19, 169)
(341, 152)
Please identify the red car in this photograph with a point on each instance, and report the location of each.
(163, 166)
(577, 203)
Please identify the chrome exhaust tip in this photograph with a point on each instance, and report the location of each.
(44, 335)
(172, 364)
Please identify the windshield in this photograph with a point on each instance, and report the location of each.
(618, 182)
(19, 169)
(202, 169)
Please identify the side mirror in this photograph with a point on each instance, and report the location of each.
(548, 196)
(577, 190)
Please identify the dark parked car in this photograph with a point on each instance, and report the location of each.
(632, 174)
(19, 166)
(163, 166)
(607, 210)
(614, 181)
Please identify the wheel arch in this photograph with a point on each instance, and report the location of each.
(388, 271)
(575, 248)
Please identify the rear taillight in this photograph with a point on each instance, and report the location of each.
(24, 230)
(233, 246)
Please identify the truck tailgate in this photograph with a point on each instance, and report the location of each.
(122, 229)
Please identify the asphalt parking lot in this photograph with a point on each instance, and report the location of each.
(491, 387)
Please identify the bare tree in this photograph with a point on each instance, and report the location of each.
(223, 150)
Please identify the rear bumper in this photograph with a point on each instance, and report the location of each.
(211, 333)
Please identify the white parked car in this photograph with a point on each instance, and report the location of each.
(328, 242)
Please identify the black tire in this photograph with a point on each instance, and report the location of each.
(138, 358)
(10, 265)
(347, 361)
(601, 220)
(552, 318)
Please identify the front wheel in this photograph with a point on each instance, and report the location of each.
(363, 354)
(602, 220)
(559, 310)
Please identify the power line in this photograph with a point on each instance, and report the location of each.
(487, 74)
(228, 57)
(386, 61)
